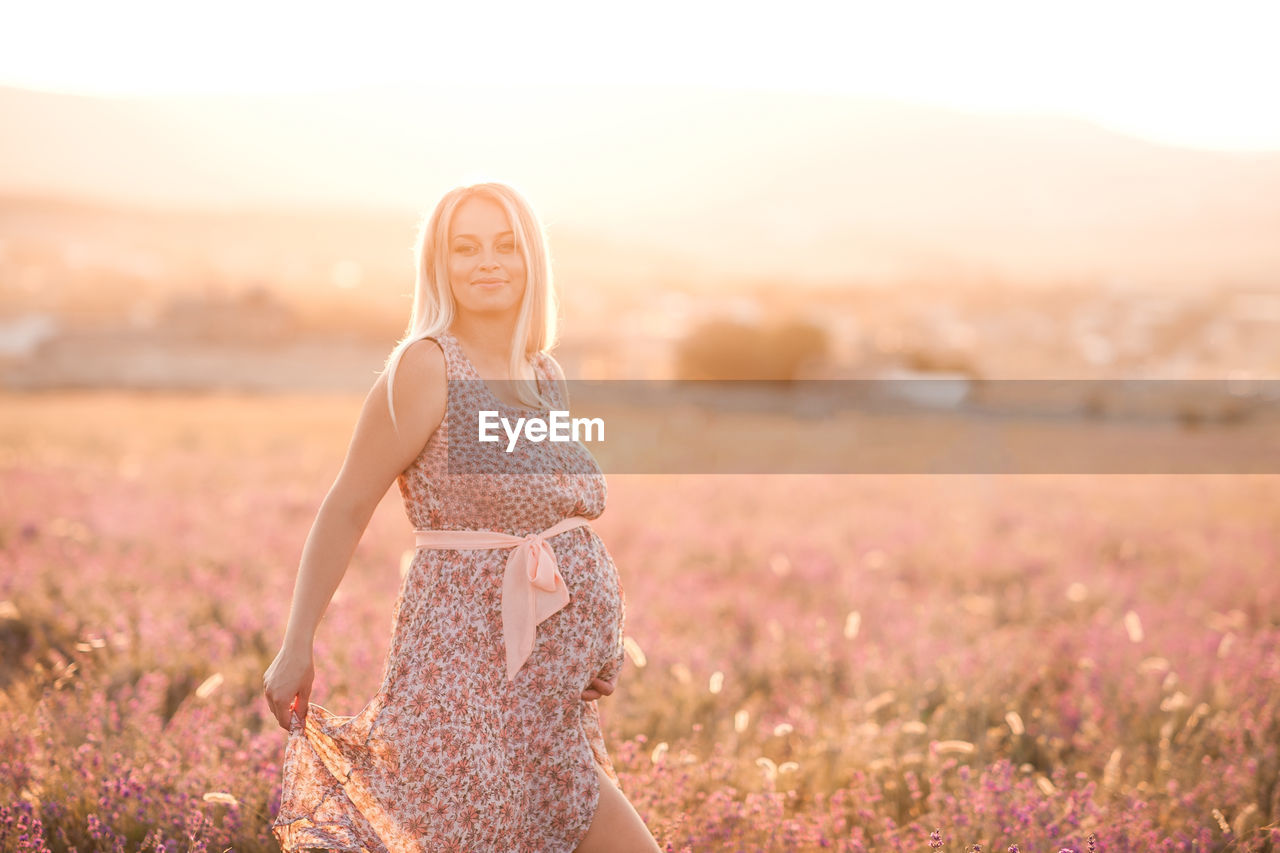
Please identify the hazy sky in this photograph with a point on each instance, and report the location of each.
(1195, 74)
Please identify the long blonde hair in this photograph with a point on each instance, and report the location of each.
(433, 304)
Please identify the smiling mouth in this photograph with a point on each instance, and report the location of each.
(490, 281)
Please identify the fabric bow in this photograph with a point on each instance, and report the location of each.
(532, 588)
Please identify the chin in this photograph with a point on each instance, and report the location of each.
(503, 307)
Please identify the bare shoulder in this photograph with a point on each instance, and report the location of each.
(424, 355)
(420, 383)
(393, 428)
(421, 364)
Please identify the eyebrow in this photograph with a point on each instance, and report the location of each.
(474, 237)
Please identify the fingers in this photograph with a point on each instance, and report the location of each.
(597, 688)
(614, 666)
(281, 719)
(281, 711)
(298, 712)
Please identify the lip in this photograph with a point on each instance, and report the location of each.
(489, 281)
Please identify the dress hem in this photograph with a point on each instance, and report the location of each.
(576, 840)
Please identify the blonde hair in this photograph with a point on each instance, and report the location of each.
(433, 304)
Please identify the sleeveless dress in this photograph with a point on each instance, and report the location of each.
(451, 755)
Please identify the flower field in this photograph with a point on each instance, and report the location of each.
(845, 663)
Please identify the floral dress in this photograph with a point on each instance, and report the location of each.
(452, 755)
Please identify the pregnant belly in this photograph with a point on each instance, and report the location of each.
(449, 620)
(575, 644)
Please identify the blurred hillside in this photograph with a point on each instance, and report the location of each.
(267, 242)
(97, 296)
(735, 185)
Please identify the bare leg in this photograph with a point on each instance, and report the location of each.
(617, 827)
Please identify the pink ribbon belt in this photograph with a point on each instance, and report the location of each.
(532, 588)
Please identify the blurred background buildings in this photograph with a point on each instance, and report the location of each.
(229, 242)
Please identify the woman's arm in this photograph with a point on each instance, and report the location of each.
(377, 455)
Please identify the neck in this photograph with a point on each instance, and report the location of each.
(487, 339)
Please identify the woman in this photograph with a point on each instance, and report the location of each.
(484, 734)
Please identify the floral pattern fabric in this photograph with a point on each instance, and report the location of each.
(449, 755)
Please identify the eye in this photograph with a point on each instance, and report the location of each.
(506, 247)
(464, 249)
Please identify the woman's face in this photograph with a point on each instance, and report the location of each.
(486, 269)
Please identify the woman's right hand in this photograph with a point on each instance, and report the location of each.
(287, 685)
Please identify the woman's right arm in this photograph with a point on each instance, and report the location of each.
(377, 455)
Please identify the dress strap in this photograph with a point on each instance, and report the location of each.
(550, 379)
(454, 359)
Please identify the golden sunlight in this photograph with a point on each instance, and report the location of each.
(1174, 73)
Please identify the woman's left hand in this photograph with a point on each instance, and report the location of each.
(597, 688)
